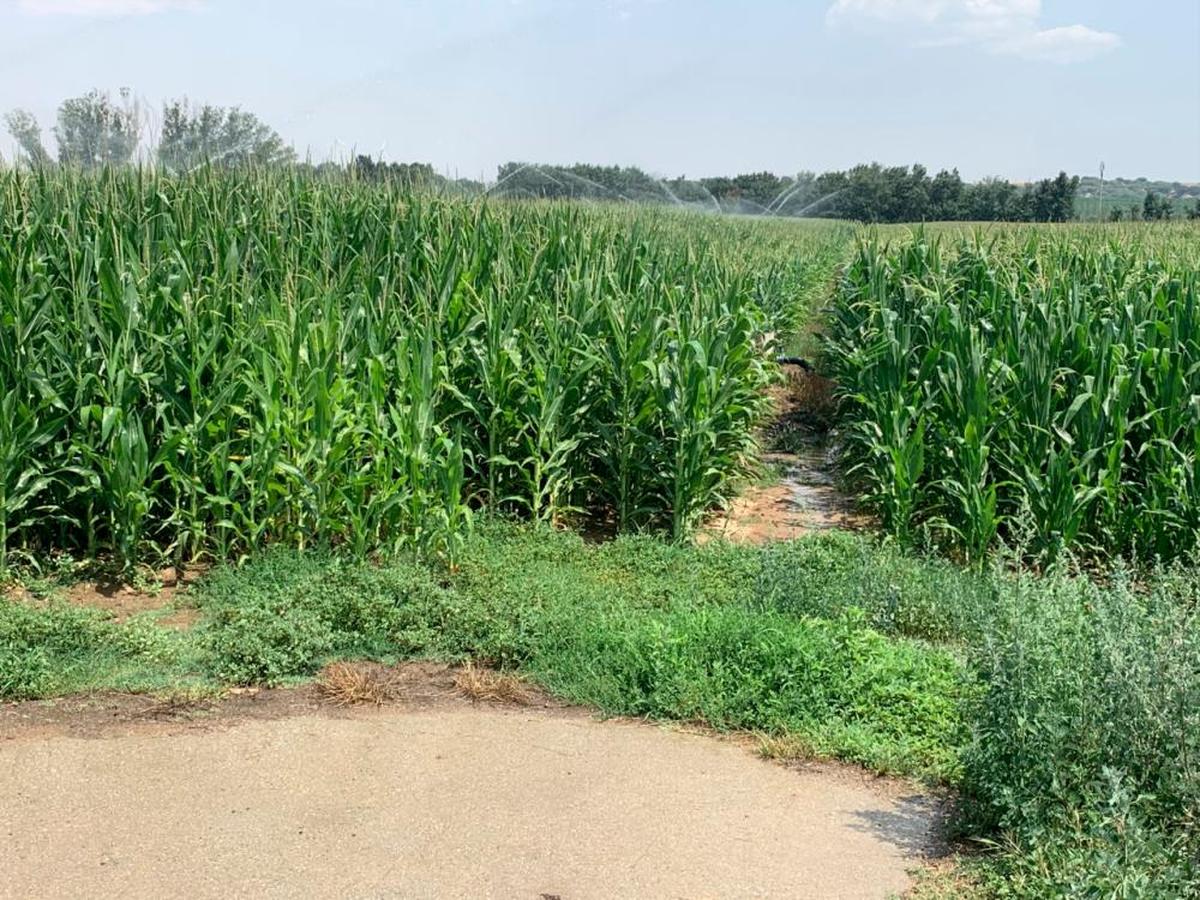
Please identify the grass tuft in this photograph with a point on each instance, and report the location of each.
(480, 683)
(352, 683)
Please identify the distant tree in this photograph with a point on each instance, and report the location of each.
(466, 187)
(1116, 215)
(865, 196)
(905, 194)
(1156, 208)
(613, 183)
(1053, 199)
(93, 130)
(991, 200)
(867, 193)
(407, 174)
(519, 179)
(225, 136)
(1065, 190)
(688, 191)
(760, 188)
(26, 131)
(947, 197)
(1194, 212)
(720, 188)
(799, 197)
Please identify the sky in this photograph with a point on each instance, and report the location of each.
(1017, 89)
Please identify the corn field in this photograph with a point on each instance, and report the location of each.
(1036, 387)
(206, 364)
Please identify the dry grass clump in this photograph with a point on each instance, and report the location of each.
(488, 684)
(355, 683)
(786, 747)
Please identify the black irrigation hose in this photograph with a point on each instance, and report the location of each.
(794, 361)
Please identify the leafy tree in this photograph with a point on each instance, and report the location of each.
(226, 136)
(907, 193)
(760, 188)
(580, 180)
(408, 174)
(864, 198)
(720, 187)
(686, 191)
(1156, 208)
(947, 197)
(93, 130)
(799, 196)
(1053, 200)
(992, 200)
(868, 193)
(26, 131)
(1116, 215)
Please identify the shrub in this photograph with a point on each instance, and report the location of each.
(1086, 748)
(827, 573)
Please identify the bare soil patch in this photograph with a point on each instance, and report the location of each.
(165, 595)
(124, 600)
(409, 685)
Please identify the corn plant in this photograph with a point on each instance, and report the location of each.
(1056, 374)
(203, 364)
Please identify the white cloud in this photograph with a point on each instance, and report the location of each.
(1068, 44)
(98, 8)
(998, 26)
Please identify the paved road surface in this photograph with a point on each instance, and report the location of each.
(454, 801)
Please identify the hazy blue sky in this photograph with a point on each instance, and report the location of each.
(1016, 88)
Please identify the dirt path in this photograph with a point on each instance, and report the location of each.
(442, 798)
(804, 496)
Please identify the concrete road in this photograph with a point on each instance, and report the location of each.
(456, 801)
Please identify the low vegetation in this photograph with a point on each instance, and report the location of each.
(49, 648)
(1063, 709)
(1085, 755)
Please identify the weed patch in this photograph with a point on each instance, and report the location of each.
(55, 648)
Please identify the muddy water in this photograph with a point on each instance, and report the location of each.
(805, 498)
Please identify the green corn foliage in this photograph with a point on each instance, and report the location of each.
(1035, 386)
(205, 364)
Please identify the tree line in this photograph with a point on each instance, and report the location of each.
(866, 193)
(98, 129)
(1155, 208)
